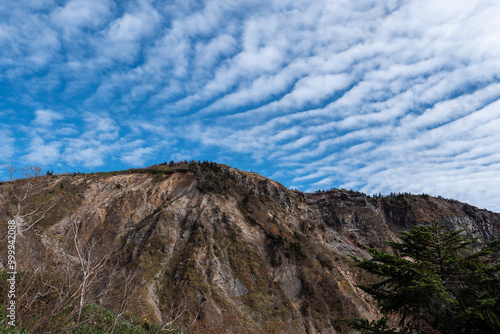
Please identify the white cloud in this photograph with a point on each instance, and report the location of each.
(86, 156)
(46, 118)
(78, 14)
(7, 143)
(42, 153)
(100, 127)
(138, 157)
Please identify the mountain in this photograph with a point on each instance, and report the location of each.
(210, 248)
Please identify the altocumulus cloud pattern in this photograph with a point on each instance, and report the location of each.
(376, 96)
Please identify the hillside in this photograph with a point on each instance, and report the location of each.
(215, 248)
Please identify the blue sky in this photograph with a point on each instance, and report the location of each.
(376, 96)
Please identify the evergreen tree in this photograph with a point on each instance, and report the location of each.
(435, 282)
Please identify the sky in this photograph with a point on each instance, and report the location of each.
(374, 96)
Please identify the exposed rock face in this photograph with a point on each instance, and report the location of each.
(236, 250)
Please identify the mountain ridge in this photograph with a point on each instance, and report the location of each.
(238, 251)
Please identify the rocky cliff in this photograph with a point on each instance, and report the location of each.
(218, 249)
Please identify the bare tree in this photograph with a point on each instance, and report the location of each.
(130, 289)
(52, 301)
(176, 311)
(91, 259)
(27, 210)
(46, 298)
